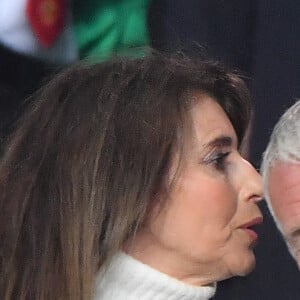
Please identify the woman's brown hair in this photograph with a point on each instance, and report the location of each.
(86, 160)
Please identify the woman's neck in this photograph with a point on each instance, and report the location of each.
(128, 278)
(169, 262)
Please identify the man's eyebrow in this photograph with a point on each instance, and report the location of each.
(220, 141)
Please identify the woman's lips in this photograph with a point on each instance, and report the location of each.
(252, 234)
(247, 227)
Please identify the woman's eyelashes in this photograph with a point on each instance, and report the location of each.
(218, 160)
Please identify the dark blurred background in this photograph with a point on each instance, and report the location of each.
(261, 39)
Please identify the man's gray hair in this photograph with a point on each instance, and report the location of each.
(284, 145)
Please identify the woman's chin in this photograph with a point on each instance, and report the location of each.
(246, 265)
(241, 265)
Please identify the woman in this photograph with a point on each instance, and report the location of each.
(124, 181)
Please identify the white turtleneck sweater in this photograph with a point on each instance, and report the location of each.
(128, 279)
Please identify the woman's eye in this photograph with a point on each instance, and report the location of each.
(219, 160)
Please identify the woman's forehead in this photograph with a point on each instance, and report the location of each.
(210, 123)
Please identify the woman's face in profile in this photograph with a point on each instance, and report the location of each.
(203, 233)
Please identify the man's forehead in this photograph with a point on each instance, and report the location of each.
(284, 194)
(284, 188)
(285, 173)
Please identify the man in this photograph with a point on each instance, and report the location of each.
(281, 175)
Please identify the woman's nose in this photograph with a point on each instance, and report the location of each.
(252, 183)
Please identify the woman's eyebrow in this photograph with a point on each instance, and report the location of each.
(220, 141)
